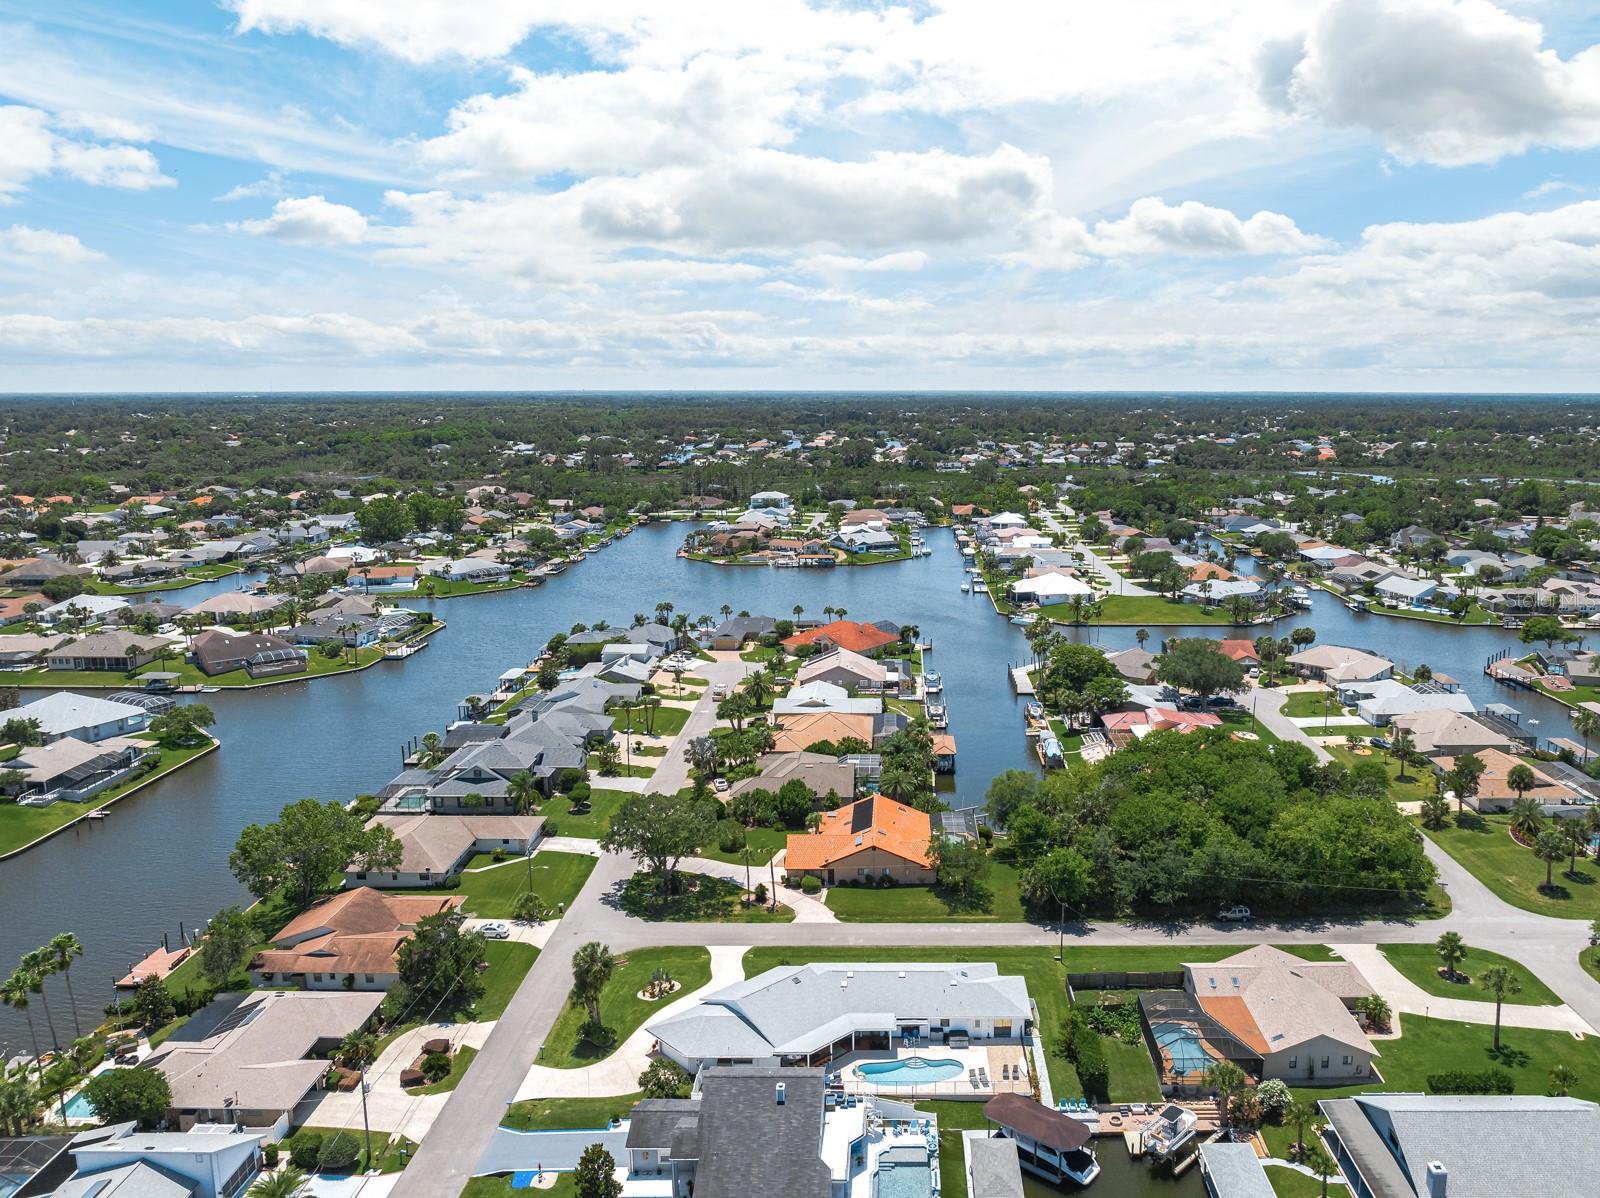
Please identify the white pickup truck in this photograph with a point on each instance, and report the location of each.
(1235, 915)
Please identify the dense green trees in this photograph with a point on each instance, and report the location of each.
(307, 847)
(129, 1096)
(1194, 821)
(440, 966)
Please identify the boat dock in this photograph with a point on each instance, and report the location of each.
(158, 964)
(1020, 682)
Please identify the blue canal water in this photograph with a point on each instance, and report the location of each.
(162, 856)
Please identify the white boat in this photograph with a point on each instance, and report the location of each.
(965, 588)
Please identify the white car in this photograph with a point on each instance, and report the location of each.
(496, 931)
(1235, 915)
(720, 785)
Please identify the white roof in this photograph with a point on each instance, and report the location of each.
(1051, 586)
(1411, 588)
(1387, 697)
(66, 711)
(1222, 588)
(95, 605)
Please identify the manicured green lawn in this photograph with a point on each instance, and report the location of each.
(1420, 964)
(1310, 703)
(190, 675)
(621, 1009)
(1291, 1183)
(593, 824)
(762, 843)
(1242, 721)
(1143, 609)
(560, 1114)
(665, 721)
(500, 1187)
(1484, 845)
(1433, 1045)
(1476, 614)
(712, 900)
(509, 962)
(491, 893)
(929, 904)
(22, 825)
(444, 588)
(459, 1064)
(1419, 779)
(623, 770)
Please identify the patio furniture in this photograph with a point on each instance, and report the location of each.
(972, 1078)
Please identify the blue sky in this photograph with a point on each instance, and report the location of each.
(358, 194)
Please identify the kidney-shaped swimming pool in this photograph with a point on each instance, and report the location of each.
(909, 1071)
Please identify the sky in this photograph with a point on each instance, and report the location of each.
(257, 195)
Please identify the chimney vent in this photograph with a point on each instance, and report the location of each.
(779, 1096)
(1438, 1179)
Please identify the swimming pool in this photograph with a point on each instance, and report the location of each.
(78, 1107)
(904, 1173)
(910, 1071)
(1182, 1043)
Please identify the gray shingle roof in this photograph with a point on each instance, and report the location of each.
(751, 1144)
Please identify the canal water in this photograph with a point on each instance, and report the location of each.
(1122, 1177)
(162, 856)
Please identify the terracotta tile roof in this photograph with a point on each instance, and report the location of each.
(1234, 1014)
(847, 634)
(355, 931)
(872, 823)
(796, 733)
(1239, 649)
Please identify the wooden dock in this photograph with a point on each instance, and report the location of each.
(158, 964)
(1020, 682)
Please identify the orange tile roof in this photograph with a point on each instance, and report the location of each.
(1234, 1014)
(798, 732)
(847, 634)
(1239, 649)
(1201, 571)
(895, 828)
(355, 931)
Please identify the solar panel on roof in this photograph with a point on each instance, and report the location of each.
(861, 817)
(238, 1017)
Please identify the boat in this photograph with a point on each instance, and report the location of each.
(1034, 710)
(938, 716)
(1024, 618)
(931, 682)
(981, 587)
(554, 568)
(97, 815)
(965, 588)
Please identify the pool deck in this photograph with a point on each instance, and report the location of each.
(1005, 1064)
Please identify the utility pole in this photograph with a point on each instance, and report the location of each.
(366, 1126)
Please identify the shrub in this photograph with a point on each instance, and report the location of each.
(269, 1155)
(1082, 1046)
(730, 836)
(1274, 1096)
(339, 1151)
(810, 885)
(1118, 1019)
(1468, 1081)
(436, 1066)
(305, 1150)
(761, 892)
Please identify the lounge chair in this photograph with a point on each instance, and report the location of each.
(972, 1078)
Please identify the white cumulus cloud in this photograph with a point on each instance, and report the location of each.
(1153, 226)
(309, 219)
(23, 241)
(30, 148)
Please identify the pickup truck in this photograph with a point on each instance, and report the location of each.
(1234, 915)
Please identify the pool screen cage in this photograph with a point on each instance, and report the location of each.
(1182, 1072)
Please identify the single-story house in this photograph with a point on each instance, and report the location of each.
(843, 634)
(87, 608)
(872, 838)
(253, 1059)
(1212, 591)
(738, 631)
(823, 775)
(33, 572)
(469, 569)
(811, 1015)
(347, 942)
(1447, 733)
(1051, 587)
(1340, 663)
(260, 654)
(1494, 788)
(382, 578)
(1402, 591)
(437, 846)
(237, 605)
(87, 718)
(210, 1160)
(119, 651)
(25, 650)
(796, 733)
(824, 696)
(852, 671)
(73, 770)
(1136, 665)
(1379, 702)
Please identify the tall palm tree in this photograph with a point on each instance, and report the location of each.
(1501, 982)
(40, 964)
(66, 946)
(522, 790)
(1227, 1079)
(592, 967)
(1585, 723)
(1300, 1114)
(14, 993)
(1452, 951)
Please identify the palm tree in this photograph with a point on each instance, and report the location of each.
(523, 791)
(1585, 723)
(14, 993)
(66, 946)
(287, 1182)
(1521, 779)
(1499, 981)
(1300, 1114)
(1323, 1165)
(40, 964)
(1526, 814)
(592, 967)
(1452, 951)
(1562, 1079)
(1401, 747)
(1227, 1079)
(19, 1105)
(432, 749)
(1141, 635)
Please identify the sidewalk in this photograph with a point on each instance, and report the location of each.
(619, 1072)
(1406, 997)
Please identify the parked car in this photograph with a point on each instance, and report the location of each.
(1378, 742)
(719, 692)
(496, 931)
(1235, 915)
(1253, 672)
(1222, 701)
(720, 785)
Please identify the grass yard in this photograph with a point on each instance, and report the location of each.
(623, 770)
(929, 904)
(509, 962)
(1291, 1183)
(562, 1114)
(665, 721)
(1419, 779)
(500, 1187)
(1483, 844)
(1242, 721)
(762, 843)
(20, 826)
(1431, 1045)
(1302, 704)
(459, 1064)
(1420, 964)
(1476, 614)
(711, 900)
(317, 666)
(491, 893)
(621, 1009)
(593, 824)
(1145, 609)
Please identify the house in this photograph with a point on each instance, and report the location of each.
(254, 1059)
(25, 650)
(852, 671)
(772, 499)
(821, 774)
(873, 838)
(1123, 725)
(259, 654)
(119, 651)
(865, 540)
(1494, 788)
(237, 606)
(382, 578)
(14, 610)
(843, 634)
(1401, 590)
(797, 733)
(1379, 702)
(347, 942)
(73, 770)
(1339, 663)
(823, 696)
(811, 1015)
(1286, 1018)
(993, 1169)
(1050, 587)
(469, 569)
(1233, 1171)
(1240, 650)
(86, 718)
(437, 847)
(1134, 664)
(1412, 536)
(1212, 592)
(737, 631)
(89, 609)
(1462, 1146)
(210, 1160)
(33, 572)
(1447, 733)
